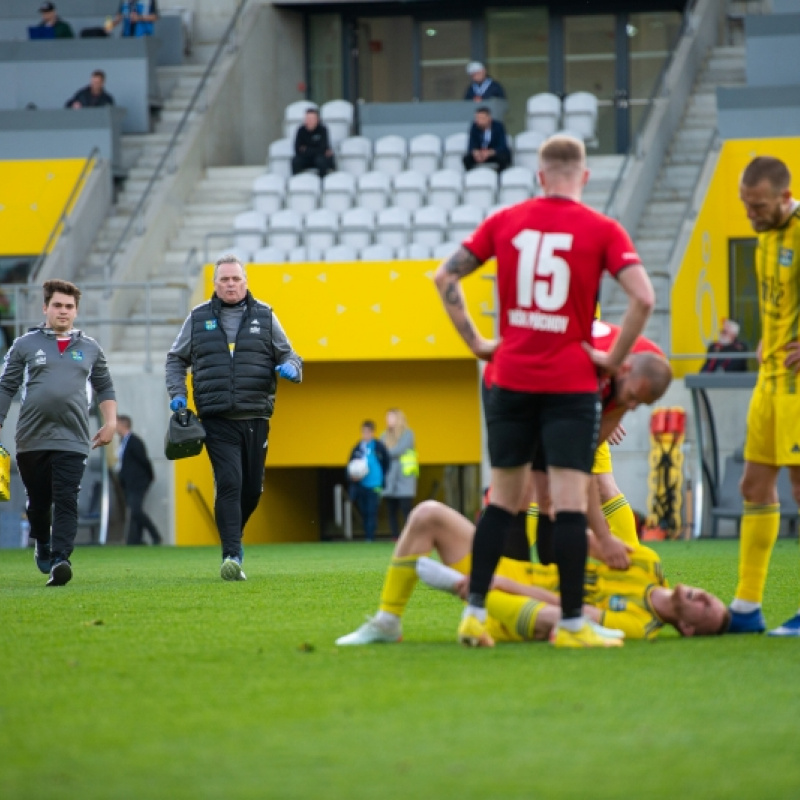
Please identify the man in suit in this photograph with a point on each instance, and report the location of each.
(487, 142)
(135, 476)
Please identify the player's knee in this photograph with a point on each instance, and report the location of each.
(425, 515)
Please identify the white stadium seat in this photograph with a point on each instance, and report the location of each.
(430, 224)
(376, 252)
(268, 193)
(409, 189)
(445, 249)
(414, 252)
(389, 154)
(580, 114)
(321, 228)
(455, 148)
(356, 227)
(341, 252)
(294, 115)
(281, 152)
(337, 116)
(444, 188)
(374, 190)
(526, 149)
(302, 254)
(338, 191)
(355, 155)
(425, 153)
(253, 227)
(463, 221)
(480, 186)
(269, 255)
(516, 184)
(285, 228)
(303, 191)
(543, 113)
(393, 226)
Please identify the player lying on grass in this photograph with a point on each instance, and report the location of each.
(523, 604)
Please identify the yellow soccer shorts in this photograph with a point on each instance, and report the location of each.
(773, 429)
(602, 459)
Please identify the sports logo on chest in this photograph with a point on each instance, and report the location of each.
(785, 257)
(77, 355)
(617, 603)
(40, 359)
(255, 327)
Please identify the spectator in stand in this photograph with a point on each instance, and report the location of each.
(92, 96)
(487, 142)
(50, 19)
(312, 146)
(728, 342)
(138, 19)
(366, 472)
(482, 87)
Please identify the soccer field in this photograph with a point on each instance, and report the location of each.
(148, 677)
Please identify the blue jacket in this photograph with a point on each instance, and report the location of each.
(497, 139)
(374, 451)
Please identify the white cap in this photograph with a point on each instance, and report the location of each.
(474, 66)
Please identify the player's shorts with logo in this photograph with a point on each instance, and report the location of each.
(522, 426)
(773, 429)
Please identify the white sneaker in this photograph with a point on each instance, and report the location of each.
(609, 633)
(372, 632)
(231, 570)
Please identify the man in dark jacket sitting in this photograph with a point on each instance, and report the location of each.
(92, 96)
(312, 147)
(487, 142)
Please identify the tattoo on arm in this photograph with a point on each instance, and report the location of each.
(461, 263)
(453, 296)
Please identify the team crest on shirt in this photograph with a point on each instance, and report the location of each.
(617, 603)
(785, 257)
(77, 355)
(40, 359)
(211, 324)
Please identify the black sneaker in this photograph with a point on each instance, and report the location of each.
(42, 556)
(60, 574)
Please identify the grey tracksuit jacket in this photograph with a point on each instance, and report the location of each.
(55, 396)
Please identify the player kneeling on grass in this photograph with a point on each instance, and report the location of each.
(523, 604)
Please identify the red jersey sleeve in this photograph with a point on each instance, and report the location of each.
(620, 252)
(481, 241)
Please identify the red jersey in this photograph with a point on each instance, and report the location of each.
(604, 334)
(551, 253)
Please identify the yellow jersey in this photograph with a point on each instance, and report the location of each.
(778, 275)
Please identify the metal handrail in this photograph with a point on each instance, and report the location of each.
(173, 142)
(63, 219)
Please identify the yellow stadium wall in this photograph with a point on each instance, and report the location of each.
(341, 323)
(32, 196)
(700, 293)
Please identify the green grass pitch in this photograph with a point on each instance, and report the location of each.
(148, 677)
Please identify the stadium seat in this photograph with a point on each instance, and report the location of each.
(430, 224)
(389, 154)
(414, 252)
(338, 191)
(302, 254)
(445, 249)
(253, 227)
(455, 148)
(543, 113)
(516, 185)
(321, 227)
(480, 186)
(268, 193)
(444, 188)
(580, 114)
(285, 227)
(495, 208)
(463, 221)
(393, 226)
(269, 255)
(526, 149)
(425, 153)
(374, 189)
(356, 227)
(340, 252)
(337, 116)
(355, 155)
(570, 132)
(281, 152)
(294, 115)
(303, 191)
(409, 189)
(376, 252)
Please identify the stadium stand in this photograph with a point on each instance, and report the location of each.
(321, 228)
(393, 226)
(355, 155)
(424, 153)
(480, 187)
(430, 224)
(455, 146)
(463, 220)
(374, 190)
(356, 227)
(444, 188)
(304, 254)
(293, 117)
(516, 184)
(269, 255)
(253, 227)
(268, 193)
(303, 192)
(377, 252)
(580, 115)
(389, 154)
(280, 156)
(341, 252)
(409, 189)
(337, 116)
(543, 113)
(526, 149)
(285, 229)
(338, 191)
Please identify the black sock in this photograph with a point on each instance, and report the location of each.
(516, 544)
(544, 539)
(487, 547)
(571, 550)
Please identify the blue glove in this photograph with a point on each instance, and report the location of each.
(177, 403)
(287, 370)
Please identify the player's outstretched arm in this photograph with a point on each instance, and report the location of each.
(641, 301)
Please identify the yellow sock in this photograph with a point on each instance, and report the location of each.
(517, 614)
(532, 523)
(760, 526)
(619, 516)
(399, 583)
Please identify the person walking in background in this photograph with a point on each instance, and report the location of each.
(366, 472)
(481, 86)
(135, 476)
(92, 96)
(728, 342)
(236, 348)
(488, 144)
(54, 365)
(773, 419)
(312, 146)
(401, 477)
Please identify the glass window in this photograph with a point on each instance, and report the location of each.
(444, 54)
(744, 291)
(385, 59)
(590, 66)
(325, 58)
(517, 57)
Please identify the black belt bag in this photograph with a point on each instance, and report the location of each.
(185, 435)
